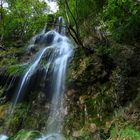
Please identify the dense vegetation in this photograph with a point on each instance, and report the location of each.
(21, 20)
(103, 90)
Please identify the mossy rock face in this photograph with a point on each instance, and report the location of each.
(26, 135)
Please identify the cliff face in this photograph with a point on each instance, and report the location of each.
(104, 90)
(102, 95)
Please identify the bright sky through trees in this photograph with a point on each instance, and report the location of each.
(52, 5)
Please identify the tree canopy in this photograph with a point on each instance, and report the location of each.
(118, 17)
(21, 20)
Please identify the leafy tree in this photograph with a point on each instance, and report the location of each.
(122, 19)
(81, 16)
(21, 20)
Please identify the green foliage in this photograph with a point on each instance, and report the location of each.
(14, 123)
(21, 20)
(81, 9)
(26, 135)
(16, 69)
(86, 135)
(9, 57)
(81, 14)
(122, 19)
(9, 61)
(129, 132)
(101, 105)
(103, 50)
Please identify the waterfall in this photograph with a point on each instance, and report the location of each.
(59, 58)
(57, 50)
(60, 26)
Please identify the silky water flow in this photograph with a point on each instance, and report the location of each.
(58, 50)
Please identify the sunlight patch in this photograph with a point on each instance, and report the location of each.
(52, 5)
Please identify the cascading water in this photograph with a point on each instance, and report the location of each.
(60, 26)
(59, 58)
(57, 49)
(62, 52)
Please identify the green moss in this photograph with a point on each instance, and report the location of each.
(26, 135)
(16, 69)
(85, 134)
(9, 59)
(129, 132)
(9, 56)
(103, 50)
(32, 122)
(14, 123)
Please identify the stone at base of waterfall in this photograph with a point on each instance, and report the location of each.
(3, 137)
(53, 136)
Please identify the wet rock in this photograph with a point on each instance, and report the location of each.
(45, 39)
(38, 39)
